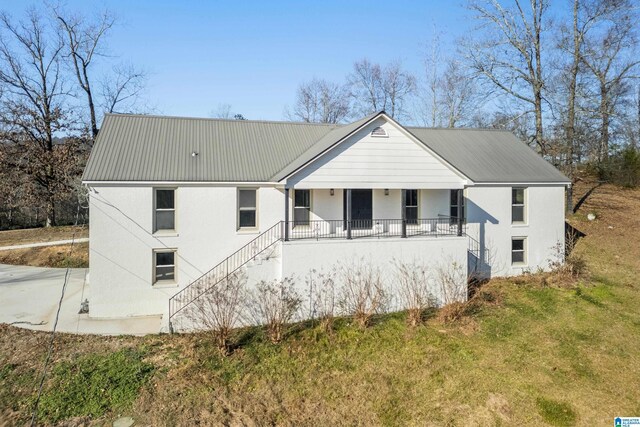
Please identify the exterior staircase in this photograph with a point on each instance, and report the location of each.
(224, 269)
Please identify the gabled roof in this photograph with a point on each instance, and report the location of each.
(181, 149)
(489, 156)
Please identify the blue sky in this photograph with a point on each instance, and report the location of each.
(254, 54)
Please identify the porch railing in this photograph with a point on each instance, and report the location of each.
(376, 228)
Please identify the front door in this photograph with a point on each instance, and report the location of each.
(361, 208)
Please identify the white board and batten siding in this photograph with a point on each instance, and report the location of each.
(395, 161)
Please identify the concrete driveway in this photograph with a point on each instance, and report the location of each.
(29, 298)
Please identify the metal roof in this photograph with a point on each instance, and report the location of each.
(491, 156)
(158, 148)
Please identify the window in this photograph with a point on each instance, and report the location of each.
(517, 205)
(164, 266)
(165, 209)
(518, 250)
(301, 207)
(453, 210)
(411, 207)
(247, 208)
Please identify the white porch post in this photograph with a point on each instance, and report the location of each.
(404, 213)
(348, 213)
(460, 215)
(286, 214)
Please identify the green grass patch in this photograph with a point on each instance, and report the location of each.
(94, 385)
(556, 413)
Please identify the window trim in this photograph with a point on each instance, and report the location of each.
(174, 281)
(255, 209)
(525, 251)
(293, 207)
(157, 230)
(525, 203)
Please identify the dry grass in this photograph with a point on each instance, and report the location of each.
(43, 234)
(48, 256)
(517, 354)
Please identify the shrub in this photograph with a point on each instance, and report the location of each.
(322, 288)
(362, 291)
(413, 289)
(94, 385)
(219, 309)
(274, 304)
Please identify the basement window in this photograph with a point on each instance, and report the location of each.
(165, 209)
(379, 132)
(518, 251)
(164, 266)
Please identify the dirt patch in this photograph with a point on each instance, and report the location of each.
(49, 256)
(43, 234)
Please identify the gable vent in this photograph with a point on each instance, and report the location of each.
(379, 132)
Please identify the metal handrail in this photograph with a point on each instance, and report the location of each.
(226, 267)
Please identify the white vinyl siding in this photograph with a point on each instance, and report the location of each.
(365, 161)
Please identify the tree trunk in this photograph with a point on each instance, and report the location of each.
(603, 149)
(539, 132)
(571, 108)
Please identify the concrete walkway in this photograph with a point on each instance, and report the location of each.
(41, 244)
(29, 298)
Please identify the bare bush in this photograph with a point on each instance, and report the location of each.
(413, 289)
(274, 304)
(219, 309)
(451, 279)
(566, 267)
(362, 291)
(322, 290)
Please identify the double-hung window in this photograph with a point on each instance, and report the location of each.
(411, 206)
(518, 211)
(454, 209)
(165, 209)
(518, 250)
(247, 208)
(301, 207)
(164, 266)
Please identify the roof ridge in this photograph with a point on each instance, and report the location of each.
(215, 119)
(465, 128)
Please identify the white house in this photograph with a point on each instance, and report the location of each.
(177, 200)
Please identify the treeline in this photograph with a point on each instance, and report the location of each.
(57, 79)
(564, 79)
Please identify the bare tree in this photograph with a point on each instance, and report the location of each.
(509, 58)
(33, 111)
(219, 308)
(83, 42)
(320, 101)
(122, 89)
(274, 304)
(375, 88)
(413, 289)
(362, 293)
(222, 111)
(610, 55)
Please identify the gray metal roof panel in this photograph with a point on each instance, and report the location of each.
(158, 148)
(153, 148)
(489, 155)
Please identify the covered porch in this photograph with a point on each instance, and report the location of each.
(355, 213)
